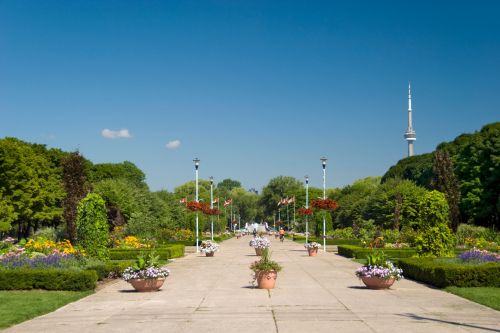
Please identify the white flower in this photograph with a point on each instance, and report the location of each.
(209, 246)
(260, 242)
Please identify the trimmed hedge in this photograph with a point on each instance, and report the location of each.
(329, 241)
(192, 242)
(442, 274)
(351, 251)
(165, 253)
(49, 279)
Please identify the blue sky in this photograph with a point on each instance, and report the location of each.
(255, 89)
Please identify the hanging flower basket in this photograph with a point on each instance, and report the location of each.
(279, 222)
(326, 204)
(194, 206)
(211, 211)
(304, 211)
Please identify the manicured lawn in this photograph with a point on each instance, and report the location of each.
(489, 296)
(18, 306)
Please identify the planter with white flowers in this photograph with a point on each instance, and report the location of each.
(259, 244)
(312, 248)
(209, 248)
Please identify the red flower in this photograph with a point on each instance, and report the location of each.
(327, 204)
(304, 211)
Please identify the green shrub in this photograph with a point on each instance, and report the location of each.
(345, 233)
(175, 235)
(92, 226)
(49, 279)
(390, 235)
(435, 241)
(165, 253)
(435, 238)
(442, 274)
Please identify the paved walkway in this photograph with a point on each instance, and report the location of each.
(313, 294)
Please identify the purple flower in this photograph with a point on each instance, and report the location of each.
(479, 255)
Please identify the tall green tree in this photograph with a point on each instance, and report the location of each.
(277, 188)
(31, 185)
(126, 170)
(74, 180)
(245, 203)
(446, 182)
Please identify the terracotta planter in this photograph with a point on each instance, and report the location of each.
(259, 251)
(313, 251)
(209, 254)
(377, 283)
(147, 285)
(238, 237)
(266, 280)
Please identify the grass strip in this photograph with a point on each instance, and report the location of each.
(18, 306)
(488, 296)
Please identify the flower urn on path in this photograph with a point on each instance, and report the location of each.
(209, 248)
(265, 271)
(259, 244)
(379, 273)
(266, 279)
(147, 285)
(146, 274)
(312, 248)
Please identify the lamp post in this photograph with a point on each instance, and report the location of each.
(323, 163)
(212, 206)
(307, 207)
(196, 166)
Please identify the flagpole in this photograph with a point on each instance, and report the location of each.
(212, 207)
(288, 215)
(232, 215)
(294, 210)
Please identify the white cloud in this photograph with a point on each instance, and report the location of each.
(173, 144)
(121, 134)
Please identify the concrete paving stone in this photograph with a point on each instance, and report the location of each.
(318, 294)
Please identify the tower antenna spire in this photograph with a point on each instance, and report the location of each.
(410, 135)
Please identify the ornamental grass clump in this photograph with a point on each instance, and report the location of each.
(209, 246)
(265, 264)
(260, 242)
(378, 266)
(146, 268)
(476, 255)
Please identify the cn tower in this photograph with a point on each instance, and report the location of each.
(410, 135)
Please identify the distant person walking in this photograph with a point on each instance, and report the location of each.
(282, 235)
